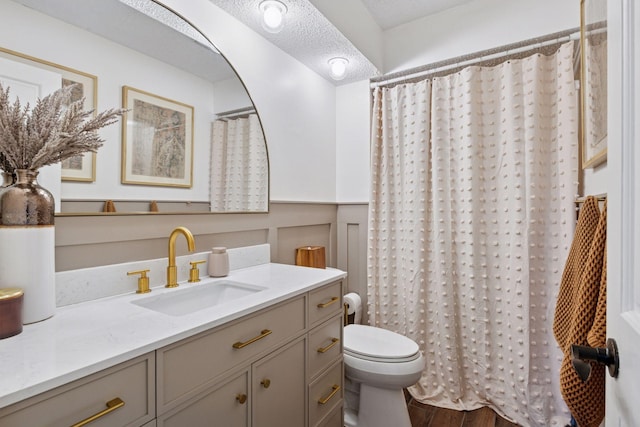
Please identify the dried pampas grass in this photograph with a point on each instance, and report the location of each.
(53, 131)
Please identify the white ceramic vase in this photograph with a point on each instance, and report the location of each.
(27, 244)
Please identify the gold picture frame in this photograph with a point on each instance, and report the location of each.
(593, 82)
(79, 168)
(157, 140)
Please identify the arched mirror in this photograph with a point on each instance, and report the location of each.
(138, 54)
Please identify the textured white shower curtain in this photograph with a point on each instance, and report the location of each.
(470, 222)
(239, 166)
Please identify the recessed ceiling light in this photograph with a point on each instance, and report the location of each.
(273, 13)
(338, 68)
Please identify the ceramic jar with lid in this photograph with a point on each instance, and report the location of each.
(218, 265)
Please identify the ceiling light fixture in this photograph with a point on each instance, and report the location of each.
(273, 13)
(338, 68)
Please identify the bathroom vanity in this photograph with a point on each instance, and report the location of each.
(272, 357)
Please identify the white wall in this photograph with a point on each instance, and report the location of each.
(297, 106)
(352, 142)
(479, 25)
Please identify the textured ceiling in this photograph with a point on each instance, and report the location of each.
(307, 35)
(312, 39)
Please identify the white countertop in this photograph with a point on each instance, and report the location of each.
(85, 338)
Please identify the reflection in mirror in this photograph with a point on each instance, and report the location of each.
(140, 44)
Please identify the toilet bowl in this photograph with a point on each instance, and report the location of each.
(378, 365)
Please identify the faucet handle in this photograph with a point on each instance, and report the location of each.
(143, 281)
(194, 273)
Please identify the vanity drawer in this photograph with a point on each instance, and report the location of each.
(334, 419)
(133, 382)
(325, 394)
(187, 366)
(325, 302)
(325, 345)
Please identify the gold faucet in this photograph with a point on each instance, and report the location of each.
(172, 269)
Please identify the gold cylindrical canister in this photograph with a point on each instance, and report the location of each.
(10, 312)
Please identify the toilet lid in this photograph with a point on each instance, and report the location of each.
(374, 343)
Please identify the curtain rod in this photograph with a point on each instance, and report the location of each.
(232, 114)
(477, 57)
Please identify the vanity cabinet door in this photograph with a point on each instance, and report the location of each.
(226, 404)
(278, 385)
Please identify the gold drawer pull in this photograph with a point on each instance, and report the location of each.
(328, 303)
(263, 334)
(266, 383)
(324, 400)
(241, 398)
(334, 341)
(112, 405)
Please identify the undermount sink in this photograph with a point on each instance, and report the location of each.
(198, 297)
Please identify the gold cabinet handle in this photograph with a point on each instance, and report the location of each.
(241, 398)
(266, 383)
(328, 303)
(263, 334)
(324, 400)
(334, 341)
(112, 405)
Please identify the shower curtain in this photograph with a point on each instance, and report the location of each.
(471, 215)
(239, 171)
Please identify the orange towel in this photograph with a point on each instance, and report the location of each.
(580, 316)
(574, 267)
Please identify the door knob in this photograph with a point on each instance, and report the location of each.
(582, 355)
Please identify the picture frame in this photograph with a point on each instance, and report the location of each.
(593, 82)
(80, 168)
(157, 140)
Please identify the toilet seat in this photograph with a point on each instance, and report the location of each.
(378, 345)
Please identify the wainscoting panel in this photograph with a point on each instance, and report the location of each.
(352, 249)
(290, 238)
(94, 240)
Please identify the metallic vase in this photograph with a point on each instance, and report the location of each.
(26, 202)
(27, 244)
(8, 179)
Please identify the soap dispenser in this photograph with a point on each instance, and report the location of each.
(218, 262)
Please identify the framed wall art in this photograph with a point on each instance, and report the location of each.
(78, 168)
(593, 85)
(157, 141)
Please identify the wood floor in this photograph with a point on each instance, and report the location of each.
(430, 416)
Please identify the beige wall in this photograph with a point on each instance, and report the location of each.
(88, 241)
(352, 249)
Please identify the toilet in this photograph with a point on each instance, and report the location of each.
(378, 365)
